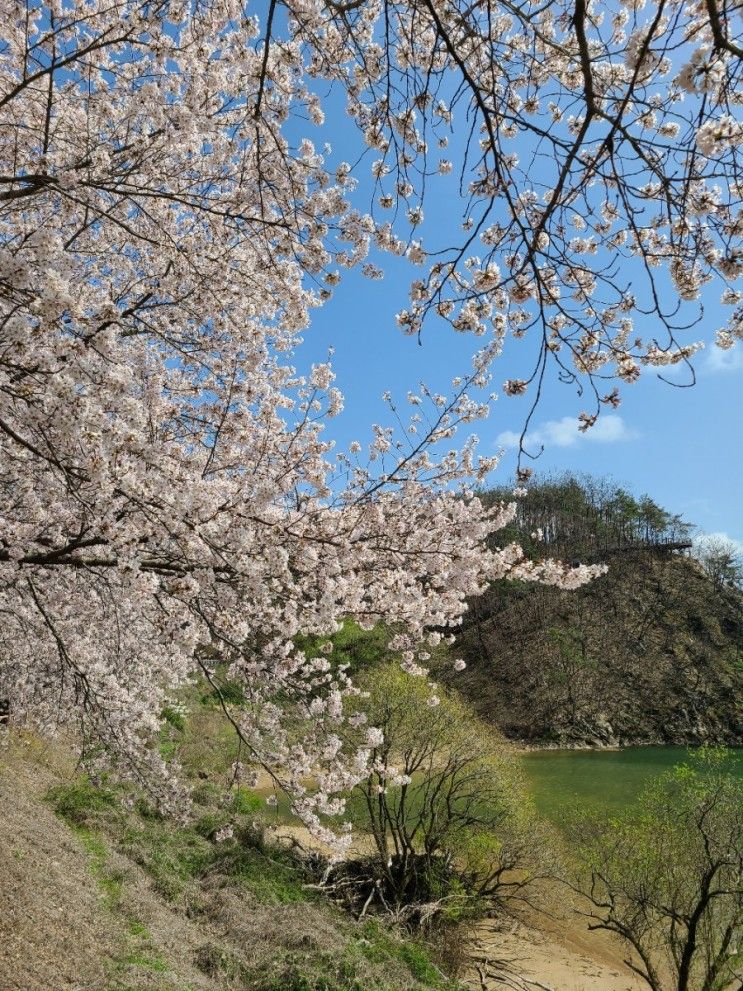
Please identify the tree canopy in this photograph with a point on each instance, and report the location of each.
(585, 516)
(445, 806)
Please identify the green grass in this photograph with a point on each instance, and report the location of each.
(174, 718)
(83, 805)
(246, 802)
(271, 880)
(110, 881)
(156, 964)
(330, 972)
(176, 856)
(137, 928)
(171, 857)
(379, 944)
(180, 859)
(81, 801)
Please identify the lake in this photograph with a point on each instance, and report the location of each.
(565, 780)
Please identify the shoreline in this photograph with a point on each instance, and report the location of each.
(547, 746)
(511, 953)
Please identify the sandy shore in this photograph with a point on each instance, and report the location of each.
(511, 954)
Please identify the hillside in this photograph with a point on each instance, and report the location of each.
(105, 897)
(651, 652)
(101, 896)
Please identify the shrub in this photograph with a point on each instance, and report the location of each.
(668, 879)
(445, 805)
(81, 802)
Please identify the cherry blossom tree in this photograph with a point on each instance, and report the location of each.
(170, 504)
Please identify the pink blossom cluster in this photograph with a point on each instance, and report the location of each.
(600, 170)
(170, 505)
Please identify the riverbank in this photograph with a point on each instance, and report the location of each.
(553, 951)
(548, 746)
(550, 951)
(508, 953)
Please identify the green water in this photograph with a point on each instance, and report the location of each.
(566, 781)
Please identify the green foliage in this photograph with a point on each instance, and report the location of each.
(381, 944)
(175, 856)
(344, 969)
(446, 804)
(352, 646)
(81, 802)
(581, 515)
(229, 693)
(109, 881)
(271, 879)
(172, 857)
(173, 718)
(347, 971)
(155, 964)
(207, 749)
(137, 928)
(668, 876)
(246, 802)
(189, 864)
(334, 975)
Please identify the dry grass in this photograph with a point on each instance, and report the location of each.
(98, 898)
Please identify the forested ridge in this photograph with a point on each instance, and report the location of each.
(569, 515)
(650, 652)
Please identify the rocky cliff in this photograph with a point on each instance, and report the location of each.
(651, 652)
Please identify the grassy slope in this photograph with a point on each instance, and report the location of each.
(112, 898)
(650, 652)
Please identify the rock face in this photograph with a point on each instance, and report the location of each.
(652, 652)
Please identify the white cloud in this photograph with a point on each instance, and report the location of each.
(717, 360)
(608, 429)
(712, 361)
(718, 537)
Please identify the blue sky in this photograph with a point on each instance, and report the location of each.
(680, 445)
